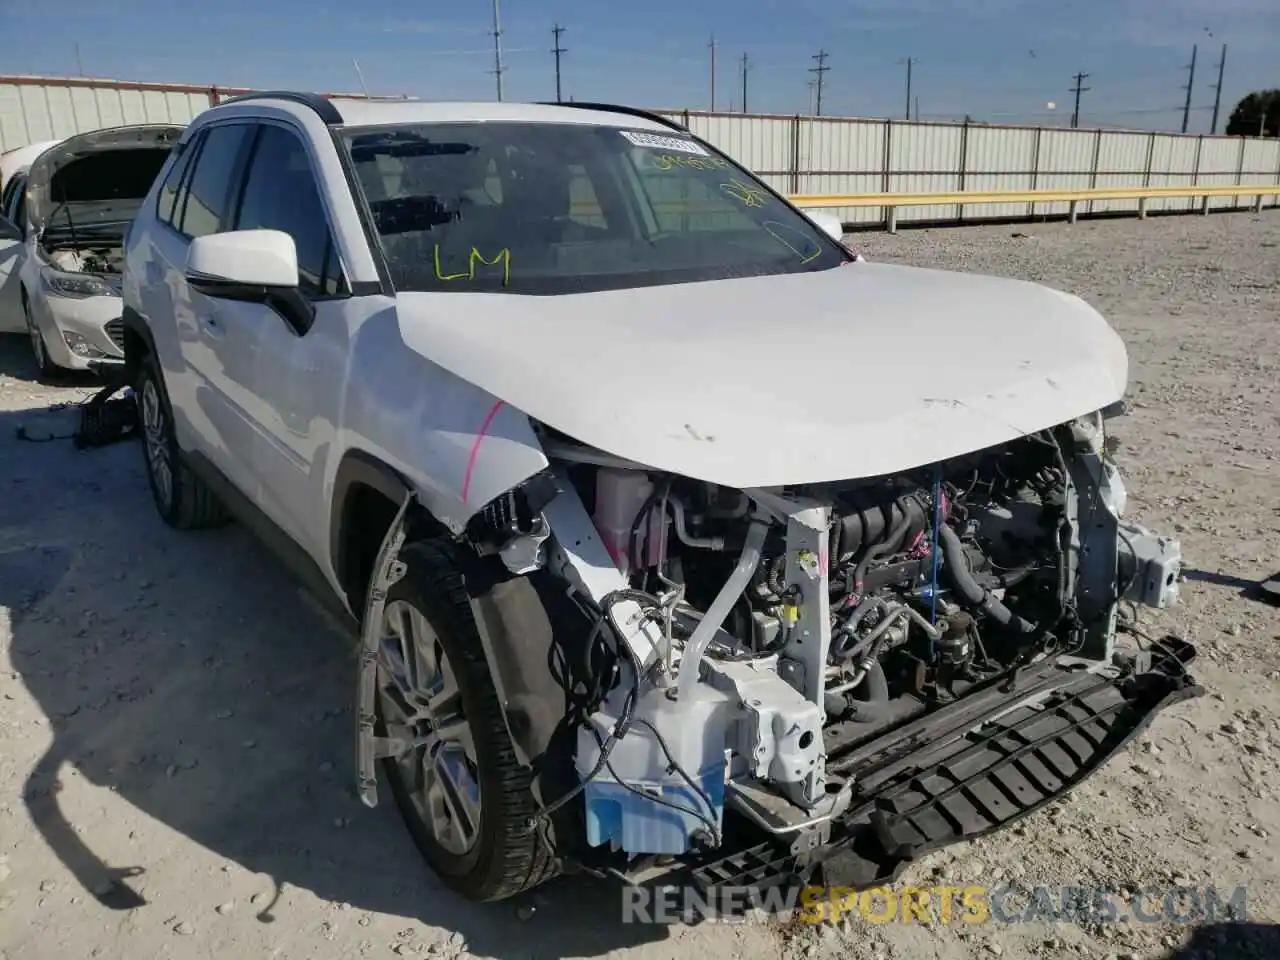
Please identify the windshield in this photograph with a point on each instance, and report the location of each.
(552, 208)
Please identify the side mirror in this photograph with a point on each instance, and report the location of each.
(251, 266)
(242, 258)
(828, 222)
(9, 230)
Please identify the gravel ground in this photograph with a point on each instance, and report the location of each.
(175, 738)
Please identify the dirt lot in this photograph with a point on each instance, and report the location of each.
(175, 743)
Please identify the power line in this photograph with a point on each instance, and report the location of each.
(744, 83)
(819, 70)
(1191, 80)
(557, 50)
(1077, 90)
(1217, 90)
(497, 49)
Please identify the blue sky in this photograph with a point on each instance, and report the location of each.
(999, 60)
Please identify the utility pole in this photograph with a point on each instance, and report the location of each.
(497, 48)
(917, 112)
(744, 83)
(79, 62)
(1077, 90)
(712, 47)
(819, 70)
(1191, 79)
(557, 50)
(908, 62)
(1217, 89)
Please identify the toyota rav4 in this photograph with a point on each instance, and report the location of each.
(678, 543)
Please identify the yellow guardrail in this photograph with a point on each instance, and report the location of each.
(891, 201)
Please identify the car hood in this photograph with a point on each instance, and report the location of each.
(43, 200)
(857, 371)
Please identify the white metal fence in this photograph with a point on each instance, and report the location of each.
(833, 155)
(794, 154)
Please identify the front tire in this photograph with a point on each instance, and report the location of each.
(464, 798)
(183, 500)
(46, 369)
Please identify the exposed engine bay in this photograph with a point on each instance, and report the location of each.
(95, 257)
(762, 632)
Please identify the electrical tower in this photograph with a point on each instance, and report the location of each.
(1191, 81)
(1217, 89)
(744, 83)
(557, 50)
(819, 70)
(1078, 89)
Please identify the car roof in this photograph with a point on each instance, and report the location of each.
(357, 112)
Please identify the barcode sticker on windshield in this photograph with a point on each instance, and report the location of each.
(664, 143)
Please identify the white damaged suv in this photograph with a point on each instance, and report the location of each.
(680, 546)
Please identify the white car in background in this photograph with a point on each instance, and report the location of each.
(64, 214)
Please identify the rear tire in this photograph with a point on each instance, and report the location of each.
(503, 857)
(183, 500)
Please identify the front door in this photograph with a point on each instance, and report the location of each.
(297, 366)
(216, 340)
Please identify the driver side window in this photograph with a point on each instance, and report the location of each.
(281, 193)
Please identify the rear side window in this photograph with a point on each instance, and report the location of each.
(202, 207)
(281, 193)
(172, 182)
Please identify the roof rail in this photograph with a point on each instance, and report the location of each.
(615, 108)
(323, 106)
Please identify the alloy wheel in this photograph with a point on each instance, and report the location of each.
(422, 706)
(156, 439)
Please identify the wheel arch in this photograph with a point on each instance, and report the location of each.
(138, 341)
(517, 618)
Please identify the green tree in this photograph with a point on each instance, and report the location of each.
(1258, 114)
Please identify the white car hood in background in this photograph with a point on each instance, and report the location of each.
(40, 205)
(19, 159)
(852, 372)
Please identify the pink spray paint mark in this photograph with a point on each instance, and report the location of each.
(475, 447)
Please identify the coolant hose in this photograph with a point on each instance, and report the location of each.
(733, 588)
(956, 569)
(870, 710)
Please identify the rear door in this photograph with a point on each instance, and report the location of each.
(208, 380)
(11, 254)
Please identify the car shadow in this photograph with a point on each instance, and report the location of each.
(1249, 589)
(186, 674)
(1230, 941)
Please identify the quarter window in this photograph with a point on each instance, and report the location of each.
(173, 182)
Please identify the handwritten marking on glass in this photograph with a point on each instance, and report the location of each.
(503, 257)
(748, 195)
